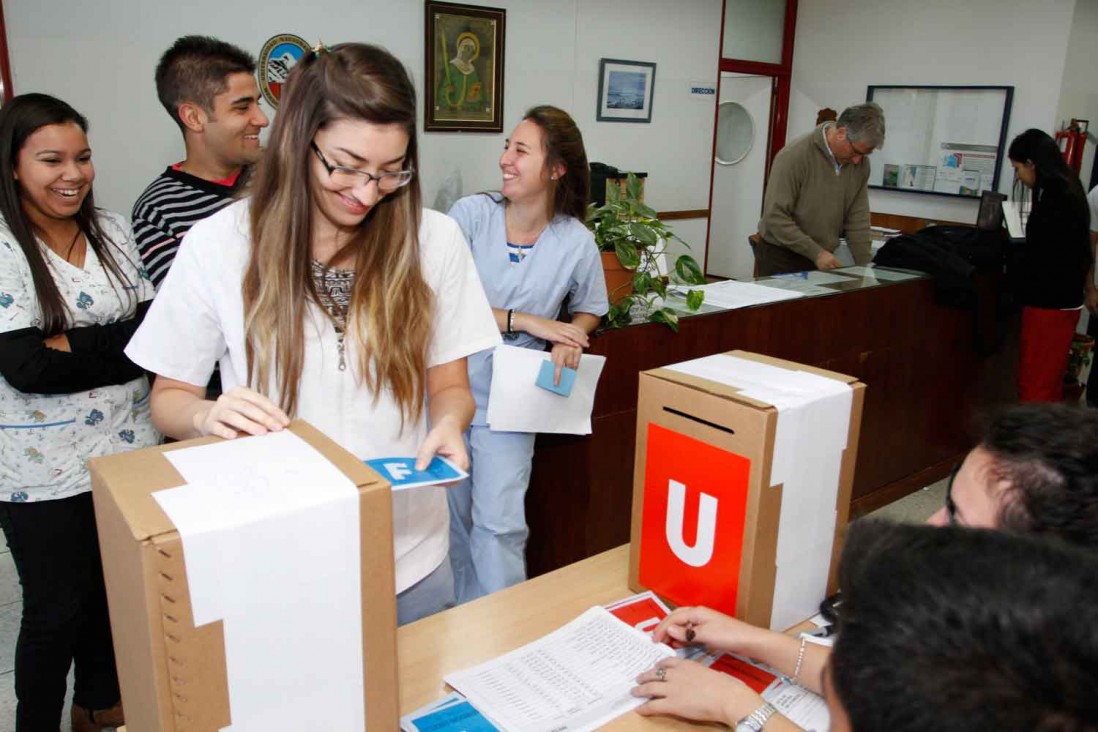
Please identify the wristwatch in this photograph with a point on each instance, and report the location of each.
(755, 721)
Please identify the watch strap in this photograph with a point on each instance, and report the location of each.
(755, 721)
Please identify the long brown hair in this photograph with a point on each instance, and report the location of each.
(19, 119)
(391, 306)
(564, 145)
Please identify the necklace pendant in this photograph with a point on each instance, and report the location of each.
(342, 361)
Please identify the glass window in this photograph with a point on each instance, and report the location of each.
(753, 30)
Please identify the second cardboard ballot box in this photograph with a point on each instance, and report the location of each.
(742, 482)
(250, 584)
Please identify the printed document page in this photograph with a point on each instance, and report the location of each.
(575, 679)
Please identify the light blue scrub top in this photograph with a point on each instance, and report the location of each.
(564, 262)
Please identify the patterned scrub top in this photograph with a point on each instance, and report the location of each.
(46, 439)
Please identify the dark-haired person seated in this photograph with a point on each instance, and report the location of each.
(953, 629)
(1034, 471)
(943, 629)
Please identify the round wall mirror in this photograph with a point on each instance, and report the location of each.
(735, 133)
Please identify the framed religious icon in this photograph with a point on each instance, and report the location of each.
(464, 78)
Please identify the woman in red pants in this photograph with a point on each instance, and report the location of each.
(1054, 265)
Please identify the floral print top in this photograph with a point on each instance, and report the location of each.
(46, 439)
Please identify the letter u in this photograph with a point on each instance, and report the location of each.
(702, 551)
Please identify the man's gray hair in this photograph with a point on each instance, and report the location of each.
(864, 123)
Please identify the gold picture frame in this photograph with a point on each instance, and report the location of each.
(464, 75)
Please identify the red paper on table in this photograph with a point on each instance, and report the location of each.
(644, 611)
(750, 674)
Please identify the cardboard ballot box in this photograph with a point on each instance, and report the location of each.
(245, 588)
(742, 482)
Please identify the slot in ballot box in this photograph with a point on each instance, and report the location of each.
(250, 583)
(742, 482)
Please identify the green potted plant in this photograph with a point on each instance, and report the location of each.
(629, 232)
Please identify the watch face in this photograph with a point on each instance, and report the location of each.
(747, 725)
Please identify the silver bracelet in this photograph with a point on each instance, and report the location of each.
(800, 660)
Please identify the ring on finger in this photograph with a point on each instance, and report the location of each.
(661, 674)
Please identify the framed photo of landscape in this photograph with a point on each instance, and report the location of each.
(625, 90)
(464, 76)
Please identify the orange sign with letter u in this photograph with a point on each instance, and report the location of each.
(695, 504)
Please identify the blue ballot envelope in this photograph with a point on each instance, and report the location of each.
(401, 472)
(545, 378)
(453, 714)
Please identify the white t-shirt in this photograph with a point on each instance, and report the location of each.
(46, 439)
(197, 320)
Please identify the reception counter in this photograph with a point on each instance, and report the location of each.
(929, 371)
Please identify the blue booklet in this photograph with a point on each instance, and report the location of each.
(545, 378)
(453, 713)
(402, 474)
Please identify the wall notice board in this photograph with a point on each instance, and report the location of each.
(943, 140)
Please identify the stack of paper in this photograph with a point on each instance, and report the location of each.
(732, 294)
(575, 679)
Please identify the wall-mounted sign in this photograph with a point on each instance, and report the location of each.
(278, 56)
(703, 89)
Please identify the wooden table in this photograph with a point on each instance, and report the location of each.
(489, 627)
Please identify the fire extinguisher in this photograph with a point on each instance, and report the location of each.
(1072, 139)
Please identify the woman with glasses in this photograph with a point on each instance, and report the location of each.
(533, 253)
(331, 295)
(72, 292)
(1053, 269)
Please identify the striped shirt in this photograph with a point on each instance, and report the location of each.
(167, 210)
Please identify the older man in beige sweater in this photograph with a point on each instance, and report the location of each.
(817, 191)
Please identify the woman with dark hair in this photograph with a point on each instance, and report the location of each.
(1054, 265)
(72, 292)
(332, 295)
(533, 252)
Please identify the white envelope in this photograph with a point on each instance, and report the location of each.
(517, 404)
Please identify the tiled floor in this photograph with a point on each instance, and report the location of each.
(915, 508)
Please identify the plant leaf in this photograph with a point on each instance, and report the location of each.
(627, 253)
(667, 316)
(618, 316)
(694, 299)
(633, 187)
(613, 192)
(643, 233)
(687, 269)
(643, 210)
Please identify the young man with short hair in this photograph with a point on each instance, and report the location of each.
(209, 89)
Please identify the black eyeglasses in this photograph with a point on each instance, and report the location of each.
(855, 149)
(386, 182)
(951, 507)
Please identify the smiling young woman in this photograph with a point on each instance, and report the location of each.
(332, 295)
(533, 252)
(72, 292)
